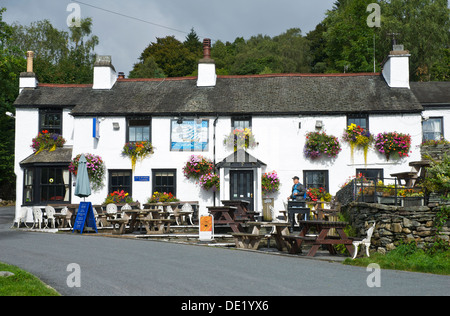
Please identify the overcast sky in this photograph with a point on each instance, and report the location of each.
(125, 38)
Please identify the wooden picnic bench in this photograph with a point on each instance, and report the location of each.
(248, 240)
(253, 239)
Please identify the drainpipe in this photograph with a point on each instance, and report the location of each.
(214, 153)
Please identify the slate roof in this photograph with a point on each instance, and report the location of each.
(432, 93)
(59, 155)
(255, 95)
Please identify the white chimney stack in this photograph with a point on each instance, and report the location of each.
(28, 79)
(396, 68)
(104, 73)
(206, 67)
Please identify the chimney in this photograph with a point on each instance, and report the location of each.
(104, 73)
(396, 68)
(121, 75)
(28, 79)
(206, 67)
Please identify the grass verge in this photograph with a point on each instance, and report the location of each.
(408, 258)
(22, 283)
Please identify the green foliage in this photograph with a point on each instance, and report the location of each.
(438, 176)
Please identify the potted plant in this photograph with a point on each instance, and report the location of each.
(47, 141)
(210, 181)
(197, 166)
(393, 145)
(137, 151)
(95, 167)
(319, 144)
(118, 197)
(411, 197)
(270, 182)
(240, 139)
(358, 137)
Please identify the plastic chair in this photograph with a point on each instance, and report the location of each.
(187, 208)
(37, 217)
(112, 209)
(64, 212)
(50, 211)
(23, 213)
(364, 242)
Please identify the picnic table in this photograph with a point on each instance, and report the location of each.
(252, 240)
(242, 208)
(322, 228)
(227, 215)
(155, 221)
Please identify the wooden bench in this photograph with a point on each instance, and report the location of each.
(158, 223)
(121, 222)
(248, 240)
(295, 242)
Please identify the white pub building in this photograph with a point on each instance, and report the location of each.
(192, 116)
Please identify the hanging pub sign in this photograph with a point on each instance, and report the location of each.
(85, 219)
(189, 135)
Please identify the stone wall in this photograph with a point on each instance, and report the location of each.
(394, 224)
(435, 152)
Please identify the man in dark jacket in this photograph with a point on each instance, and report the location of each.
(298, 190)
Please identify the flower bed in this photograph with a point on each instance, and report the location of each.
(95, 167)
(320, 144)
(162, 197)
(270, 182)
(47, 141)
(393, 145)
(137, 151)
(118, 197)
(318, 194)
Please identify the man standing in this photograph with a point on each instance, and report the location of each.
(298, 190)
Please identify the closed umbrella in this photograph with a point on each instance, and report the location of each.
(83, 186)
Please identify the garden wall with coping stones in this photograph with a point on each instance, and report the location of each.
(435, 152)
(394, 224)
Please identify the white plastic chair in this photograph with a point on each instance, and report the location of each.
(37, 217)
(188, 208)
(50, 212)
(23, 214)
(112, 209)
(64, 211)
(365, 242)
(171, 213)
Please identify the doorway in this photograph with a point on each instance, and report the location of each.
(241, 186)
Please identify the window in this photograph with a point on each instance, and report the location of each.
(241, 122)
(359, 120)
(120, 180)
(164, 180)
(371, 174)
(46, 185)
(138, 130)
(433, 128)
(50, 120)
(315, 179)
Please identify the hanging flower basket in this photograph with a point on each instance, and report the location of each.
(319, 144)
(270, 182)
(393, 145)
(47, 141)
(95, 168)
(359, 138)
(210, 181)
(137, 151)
(240, 139)
(197, 166)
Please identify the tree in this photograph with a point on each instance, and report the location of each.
(10, 66)
(146, 69)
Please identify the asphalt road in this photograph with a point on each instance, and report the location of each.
(113, 266)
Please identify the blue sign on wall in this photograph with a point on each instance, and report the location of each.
(142, 178)
(85, 215)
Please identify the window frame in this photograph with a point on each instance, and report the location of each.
(326, 174)
(358, 117)
(174, 185)
(116, 188)
(441, 119)
(235, 119)
(362, 170)
(135, 118)
(46, 111)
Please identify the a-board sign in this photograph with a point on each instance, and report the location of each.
(85, 218)
(206, 228)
